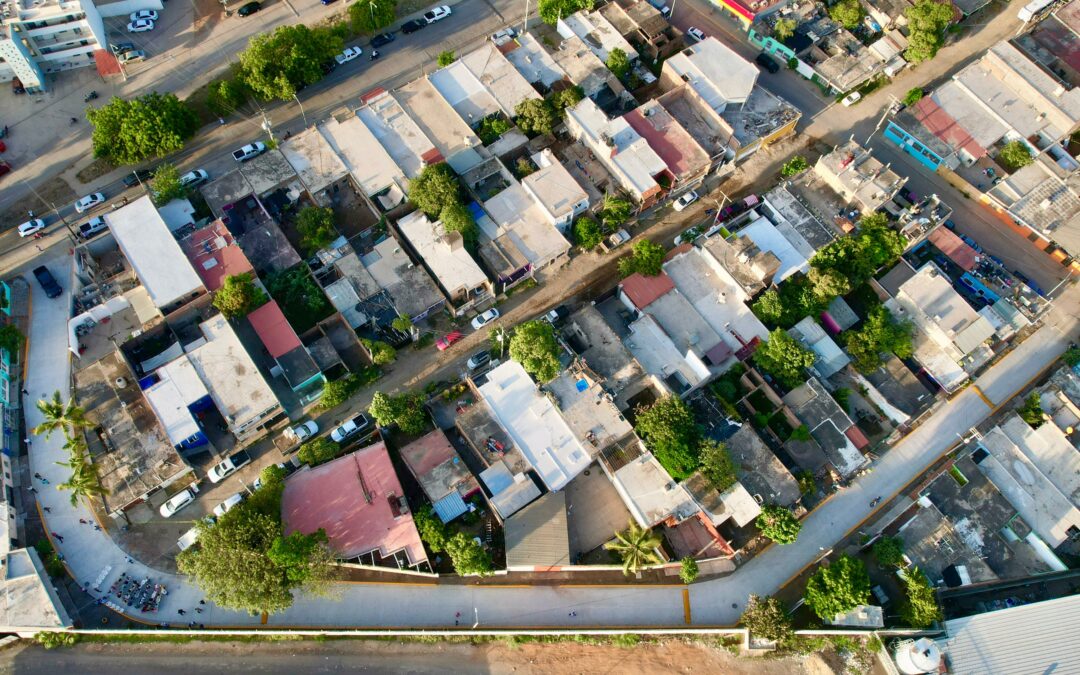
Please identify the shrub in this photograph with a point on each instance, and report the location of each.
(794, 166)
(446, 58)
(54, 639)
(688, 570)
(318, 450)
(381, 353)
(587, 233)
(1014, 156)
(913, 96)
(337, 392)
(889, 552)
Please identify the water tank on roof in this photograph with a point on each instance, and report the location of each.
(914, 657)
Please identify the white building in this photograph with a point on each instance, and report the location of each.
(446, 258)
(555, 191)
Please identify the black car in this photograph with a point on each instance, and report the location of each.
(138, 176)
(121, 48)
(249, 9)
(767, 62)
(382, 40)
(327, 68)
(412, 26)
(47, 281)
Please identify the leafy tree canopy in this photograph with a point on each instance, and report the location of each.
(338, 391)
(302, 301)
(458, 218)
(848, 13)
(276, 65)
(552, 10)
(381, 353)
(435, 188)
(1031, 411)
(12, 340)
(566, 98)
(636, 546)
(927, 21)
(1071, 357)
(153, 125)
(794, 166)
(533, 345)
(920, 608)
(316, 227)
(405, 410)
(784, 358)
(318, 450)
(467, 556)
(880, 333)
(446, 58)
(765, 618)
(784, 28)
(618, 63)
(402, 323)
(688, 570)
(838, 587)
(913, 96)
(672, 434)
(889, 551)
(779, 524)
(165, 185)
(368, 16)
(1015, 156)
(587, 233)
(646, 258)
(615, 211)
(874, 245)
(716, 464)
(225, 96)
(535, 116)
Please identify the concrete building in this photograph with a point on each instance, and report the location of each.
(409, 286)
(292, 359)
(31, 604)
(398, 134)
(597, 32)
(830, 426)
(442, 475)
(215, 255)
(537, 537)
(1051, 451)
(367, 161)
(492, 71)
(315, 161)
(759, 470)
(555, 191)
(452, 137)
(533, 61)
(460, 279)
(842, 61)
(177, 396)
(600, 349)
(643, 25)
(860, 179)
(587, 408)
(687, 161)
(521, 231)
(584, 69)
(829, 359)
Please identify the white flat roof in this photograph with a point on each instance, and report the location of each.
(453, 267)
(716, 72)
(768, 238)
(153, 253)
(534, 424)
(465, 94)
(30, 601)
(597, 32)
(178, 387)
(499, 77)
(943, 313)
(313, 159)
(534, 62)
(553, 186)
(371, 166)
(453, 138)
(398, 134)
(739, 505)
(651, 494)
(518, 216)
(1050, 450)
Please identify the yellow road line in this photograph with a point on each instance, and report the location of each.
(987, 401)
(686, 605)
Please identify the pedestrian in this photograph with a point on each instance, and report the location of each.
(46, 509)
(198, 610)
(202, 626)
(37, 475)
(221, 121)
(97, 527)
(191, 624)
(38, 247)
(32, 489)
(58, 537)
(82, 521)
(27, 439)
(202, 602)
(25, 393)
(181, 612)
(44, 481)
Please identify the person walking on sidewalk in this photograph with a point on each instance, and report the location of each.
(57, 537)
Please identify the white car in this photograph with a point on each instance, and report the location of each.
(132, 55)
(92, 227)
(349, 54)
(229, 504)
(503, 36)
(351, 427)
(437, 13)
(89, 201)
(178, 501)
(685, 200)
(852, 98)
(140, 26)
(31, 226)
(193, 178)
(144, 14)
(484, 318)
(695, 33)
(302, 432)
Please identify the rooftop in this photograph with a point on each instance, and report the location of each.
(1051, 451)
(584, 68)
(603, 352)
(857, 176)
(735, 503)
(436, 464)
(214, 254)
(553, 188)
(268, 171)
(464, 92)
(660, 357)
(314, 159)
(452, 137)
(373, 169)
(642, 291)
(761, 115)
(273, 329)
(398, 134)
(29, 599)
(517, 216)
(842, 61)
(753, 268)
(153, 253)
(1050, 205)
(759, 470)
(941, 312)
(510, 492)
(716, 72)
(786, 244)
(687, 329)
(650, 493)
(936, 128)
(444, 254)
(534, 62)
(178, 386)
(588, 409)
(668, 139)
(954, 247)
(534, 424)
(934, 545)
(225, 191)
(537, 537)
(901, 388)
(631, 156)
(830, 359)
(358, 500)
(708, 127)
(413, 291)
(597, 33)
(498, 76)
(828, 424)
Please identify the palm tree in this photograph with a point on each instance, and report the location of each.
(60, 416)
(636, 546)
(76, 447)
(84, 482)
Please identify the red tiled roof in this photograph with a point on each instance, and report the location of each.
(214, 255)
(273, 329)
(355, 500)
(106, 63)
(856, 436)
(954, 247)
(643, 290)
(945, 127)
(680, 152)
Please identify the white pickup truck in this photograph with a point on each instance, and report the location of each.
(249, 151)
(227, 466)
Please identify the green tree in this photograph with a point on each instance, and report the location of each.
(1071, 357)
(889, 552)
(838, 587)
(153, 125)
(337, 392)
(492, 127)
(646, 258)
(920, 608)
(305, 559)
(784, 29)
(618, 63)
(446, 58)
(847, 13)
(552, 10)
(880, 333)
(435, 188)
(779, 524)
(467, 556)
(716, 464)
(784, 358)
(765, 618)
(534, 346)
(165, 185)
(566, 98)
(402, 323)
(431, 529)
(587, 233)
(873, 246)
(913, 96)
(381, 353)
(828, 283)
(239, 296)
(523, 167)
(535, 116)
(12, 340)
(927, 21)
(224, 97)
(67, 418)
(1014, 156)
(458, 218)
(318, 450)
(672, 434)
(1032, 412)
(636, 546)
(368, 16)
(316, 227)
(405, 410)
(688, 570)
(277, 64)
(770, 308)
(84, 481)
(615, 211)
(794, 166)
(302, 301)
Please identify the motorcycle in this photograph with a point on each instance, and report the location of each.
(374, 55)
(90, 97)
(4, 132)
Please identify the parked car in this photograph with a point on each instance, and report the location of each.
(121, 47)
(350, 428)
(685, 200)
(484, 318)
(92, 227)
(615, 240)
(140, 26)
(412, 26)
(144, 14)
(288, 467)
(193, 178)
(478, 360)
(228, 466)
(443, 343)
(249, 151)
(228, 505)
(767, 62)
(503, 36)
(178, 501)
(48, 282)
(695, 33)
(5, 168)
(557, 315)
(132, 55)
(852, 98)
(89, 201)
(249, 9)
(301, 432)
(661, 7)
(189, 538)
(349, 54)
(381, 40)
(31, 226)
(437, 13)
(138, 176)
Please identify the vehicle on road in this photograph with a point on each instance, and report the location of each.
(349, 54)
(381, 40)
(249, 151)
(767, 62)
(503, 36)
(178, 501)
(193, 178)
(249, 9)
(48, 282)
(5, 168)
(412, 26)
(478, 360)
(288, 467)
(350, 428)
(443, 343)
(437, 13)
(228, 466)
(660, 7)
(140, 26)
(616, 240)
(144, 14)
(301, 432)
(189, 538)
(484, 318)
(557, 315)
(31, 226)
(92, 227)
(695, 33)
(89, 201)
(138, 176)
(132, 56)
(852, 98)
(121, 47)
(685, 200)
(228, 505)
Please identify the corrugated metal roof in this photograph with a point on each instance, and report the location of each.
(538, 536)
(449, 507)
(1037, 639)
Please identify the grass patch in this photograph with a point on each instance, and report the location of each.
(95, 170)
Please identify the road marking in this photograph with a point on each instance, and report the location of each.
(987, 401)
(686, 605)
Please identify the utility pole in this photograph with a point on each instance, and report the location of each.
(297, 98)
(266, 125)
(525, 24)
(881, 120)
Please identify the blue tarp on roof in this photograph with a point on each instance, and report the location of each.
(476, 210)
(449, 507)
